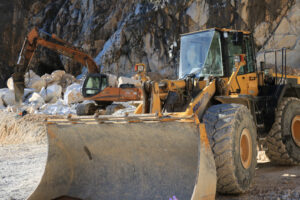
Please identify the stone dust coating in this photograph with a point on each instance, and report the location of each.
(21, 168)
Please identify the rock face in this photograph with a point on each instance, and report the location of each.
(120, 33)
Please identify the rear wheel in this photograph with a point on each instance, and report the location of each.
(232, 134)
(283, 140)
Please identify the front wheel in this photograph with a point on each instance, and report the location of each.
(232, 134)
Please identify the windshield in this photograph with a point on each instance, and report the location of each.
(200, 54)
(94, 84)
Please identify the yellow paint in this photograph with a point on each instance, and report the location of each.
(209, 91)
(139, 109)
(203, 135)
(156, 103)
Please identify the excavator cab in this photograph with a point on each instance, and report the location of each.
(94, 84)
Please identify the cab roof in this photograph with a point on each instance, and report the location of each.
(220, 30)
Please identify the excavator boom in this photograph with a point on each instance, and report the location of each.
(34, 40)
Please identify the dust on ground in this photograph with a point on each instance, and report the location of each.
(21, 168)
(23, 159)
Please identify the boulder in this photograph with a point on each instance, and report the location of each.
(125, 80)
(51, 93)
(34, 81)
(7, 96)
(27, 93)
(73, 94)
(36, 100)
(57, 109)
(10, 83)
(66, 80)
(1, 104)
(57, 75)
(47, 78)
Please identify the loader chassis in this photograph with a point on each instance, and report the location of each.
(189, 138)
(251, 88)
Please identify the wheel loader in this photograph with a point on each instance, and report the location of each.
(189, 138)
(96, 85)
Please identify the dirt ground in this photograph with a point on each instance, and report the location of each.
(22, 166)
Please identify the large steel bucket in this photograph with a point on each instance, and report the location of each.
(122, 160)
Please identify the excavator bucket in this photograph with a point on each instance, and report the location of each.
(128, 158)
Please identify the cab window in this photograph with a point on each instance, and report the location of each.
(94, 84)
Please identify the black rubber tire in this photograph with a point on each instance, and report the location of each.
(86, 109)
(224, 125)
(282, 149)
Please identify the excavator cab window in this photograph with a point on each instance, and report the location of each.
(93, 84)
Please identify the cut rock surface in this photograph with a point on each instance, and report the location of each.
(73, 94)
(53, 92)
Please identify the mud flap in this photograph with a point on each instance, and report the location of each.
(128, 161)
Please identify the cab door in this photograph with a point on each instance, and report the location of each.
(247, 80)
(247, 75)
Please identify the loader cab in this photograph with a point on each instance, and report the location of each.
(93, 84)
(212, 53)
(236, 43)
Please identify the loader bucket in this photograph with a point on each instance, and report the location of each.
(121, 160)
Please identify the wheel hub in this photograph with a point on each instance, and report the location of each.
(296, 129)
(246, 148)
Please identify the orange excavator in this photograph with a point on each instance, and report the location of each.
(96, 85)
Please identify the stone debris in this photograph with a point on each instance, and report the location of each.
(73, 94)
(32, 80)
(57, 75)
(10, 83)
(36, 100)
(58, 93)
(27, 94)
(58, 108)
(51, 93)
(7, 96)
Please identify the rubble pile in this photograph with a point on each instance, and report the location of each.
(57, 93)
(51, 94)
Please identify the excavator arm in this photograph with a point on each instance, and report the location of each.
(33, 40)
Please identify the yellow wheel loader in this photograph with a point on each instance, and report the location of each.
(189, 138)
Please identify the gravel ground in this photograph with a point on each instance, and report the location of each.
(21, 168)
